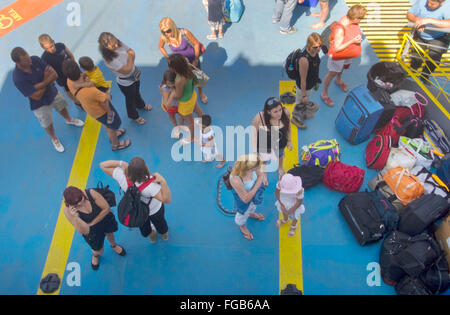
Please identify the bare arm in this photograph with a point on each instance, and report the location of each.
(164, 195)
(161, 44)
(244, 195)
(196, 44)
(125, 70)
(256, 123)
(339, 44)
(69, 53)
(73, 217)
(303, 69)
(109, 166)
(103, 204)
(50, 76)
(180, 82)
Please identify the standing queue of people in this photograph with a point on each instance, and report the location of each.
(89, 212)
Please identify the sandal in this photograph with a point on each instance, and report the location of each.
(122, 145)
(95, 267)
(211, 37)
(148, 107)
(120, 132)
(140, 121)
(247, 234)
(327, 100)
(342, 85)
(258, 216)
(122, 253)
(280, 222)
(204, 99)
(292, 230)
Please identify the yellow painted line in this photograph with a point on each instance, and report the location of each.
(290, 247)
(64, 231)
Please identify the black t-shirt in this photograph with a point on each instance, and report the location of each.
(313, 71)
(56, 60)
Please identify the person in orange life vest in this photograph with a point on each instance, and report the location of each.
(345, 44)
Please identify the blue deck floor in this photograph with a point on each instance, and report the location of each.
(206, 253)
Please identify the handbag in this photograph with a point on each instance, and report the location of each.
(200, 78)
(421, 149)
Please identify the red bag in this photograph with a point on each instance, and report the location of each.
(342, 177)
(377, 152)
(404, 111)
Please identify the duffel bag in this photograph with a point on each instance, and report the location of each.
(321, 152)
(436, 137)
(399, 157)
(432, 184)
(377, 152)
(408, 98)
(436, 278)
(310, 175)
(412, 286)
(378, 184)
(402, 255)
(419, 214)
(362, 217)
(421, 149)
(405, 186)
(342, 177)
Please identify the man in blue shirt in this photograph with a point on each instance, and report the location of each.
(433, 13)
(35, 80)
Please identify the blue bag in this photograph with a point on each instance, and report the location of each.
(233, 10)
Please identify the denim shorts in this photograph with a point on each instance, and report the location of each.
(115, 125)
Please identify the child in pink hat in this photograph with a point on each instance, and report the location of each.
(290, 194)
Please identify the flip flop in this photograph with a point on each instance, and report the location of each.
(247, 235)
(258, 216)
(122, 145)
(121, 132)
(342, 85)
(148, 107)
(204, 99)
(122, 253)
(140, 121)
(211, 37)
(327, 100)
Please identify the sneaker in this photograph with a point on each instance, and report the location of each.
(58, 145)
(275, 21)
(291, 31)
(75, 122)
(165, 236)
(298, 123)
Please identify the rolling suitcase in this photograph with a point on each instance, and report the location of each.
(358, 116)
(362, 217)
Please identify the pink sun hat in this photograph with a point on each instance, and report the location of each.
(290, 184)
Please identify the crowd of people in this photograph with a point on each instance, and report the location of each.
(84, 84)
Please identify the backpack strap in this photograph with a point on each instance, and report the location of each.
(146, 183)
(75, 95)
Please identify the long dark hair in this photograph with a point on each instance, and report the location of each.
(271, 103)
(180, 65)
(103, 41)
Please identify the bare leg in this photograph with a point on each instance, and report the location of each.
(51, 132)
(65, 114)
(112, 135)
(327, 81)
(198, 110)
(324, 10)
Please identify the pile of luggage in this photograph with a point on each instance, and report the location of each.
(409, 202)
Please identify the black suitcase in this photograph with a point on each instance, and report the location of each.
(362, 217)
(419, 214)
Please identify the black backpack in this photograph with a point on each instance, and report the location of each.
(437, 278)
(310, 175)
(109, 196)
(362, 217)
(412, 286)
(291, 64)
(419, 214)
(413, 126)
(132, 212)
(402, 255)
(385, 209)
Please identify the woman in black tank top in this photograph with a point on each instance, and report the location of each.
(274, 118)
(91, 216)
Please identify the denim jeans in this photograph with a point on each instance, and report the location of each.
(283, 12)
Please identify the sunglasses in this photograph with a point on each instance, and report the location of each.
(273, 102)
(77, 203)
(169, 31)
(316, 47)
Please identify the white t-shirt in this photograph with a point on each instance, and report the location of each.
(289, 200)
(148, 192)
(118, 63)
(208, 152)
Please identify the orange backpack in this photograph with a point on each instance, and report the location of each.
(406, 186)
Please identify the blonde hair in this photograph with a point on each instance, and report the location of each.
(168, 23)
(246, 163)
(356, 12)
(45, 39)
(314, 39)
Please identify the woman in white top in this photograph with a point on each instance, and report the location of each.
(120, 59)
(158, 192)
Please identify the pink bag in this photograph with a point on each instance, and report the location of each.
(343, 178)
